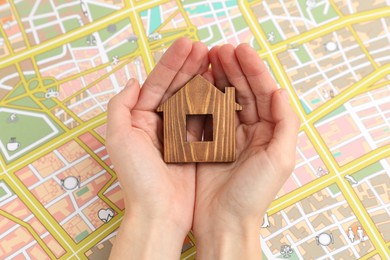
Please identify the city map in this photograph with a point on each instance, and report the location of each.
(62, 60)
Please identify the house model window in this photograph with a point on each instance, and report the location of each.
(200, 99)
(206, 133)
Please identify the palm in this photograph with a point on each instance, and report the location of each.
(243, 189)
(233, 183)
(157, 189)
(168, 186)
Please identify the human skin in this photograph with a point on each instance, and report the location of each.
(223, 203)
(231, 199)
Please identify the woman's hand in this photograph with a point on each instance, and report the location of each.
(159, 198)
(229, 198)
(232, 198)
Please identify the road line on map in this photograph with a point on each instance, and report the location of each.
(305, 122)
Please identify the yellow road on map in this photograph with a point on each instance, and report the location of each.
(61, 62)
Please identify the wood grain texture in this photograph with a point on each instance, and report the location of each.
(200, 97)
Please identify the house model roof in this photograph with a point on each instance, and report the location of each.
(194, 89)
(218, 139)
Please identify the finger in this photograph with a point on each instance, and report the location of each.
(120, 106)
(219, 75)
(284, 140)
(208, 75)
(195, 126)
(237, 78)
(205, 64)
(163, 74)
(216, 68)
(197, 62)
(259, 79)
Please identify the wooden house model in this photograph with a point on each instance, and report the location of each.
(200, 98)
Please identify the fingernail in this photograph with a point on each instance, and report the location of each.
(130, 82)
(284, 94)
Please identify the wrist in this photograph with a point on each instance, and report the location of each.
(227, 244)
(145, 238)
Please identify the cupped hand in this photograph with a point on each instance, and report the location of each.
(228, 198)
(154, 191)
(233, 197)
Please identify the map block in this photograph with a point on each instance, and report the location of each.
(61, 62)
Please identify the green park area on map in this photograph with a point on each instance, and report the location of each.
(61, 62)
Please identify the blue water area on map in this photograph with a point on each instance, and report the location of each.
(218, 8)
(336, 154)
(231, 3)
(198, 9)
(315, 101)
(305, 107)
(155, 19)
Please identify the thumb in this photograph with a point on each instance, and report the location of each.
(120, 106)
(283, 143)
